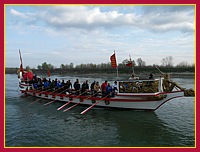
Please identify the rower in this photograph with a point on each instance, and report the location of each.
(77, 87)
(114, 89)
(109, 90)
(103, 88)
(169, 85)
(68, 86)
(85, 87)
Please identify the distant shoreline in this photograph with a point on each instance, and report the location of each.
(121, 75)
(124, 73)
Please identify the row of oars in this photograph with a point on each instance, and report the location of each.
(70, 101)
(40, 91)
(69, 108)
(76, 103)
(79, 103)
(54, 99)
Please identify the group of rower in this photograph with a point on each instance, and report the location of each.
(57, 86)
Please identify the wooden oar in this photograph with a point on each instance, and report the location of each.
(54, 99)
(49, 102)
(37, 90)
(42, 90)
(83, 112)
(159, 70)
(69, 102)
(64, 105)
(81, 93)
(71, 107)
(36, 101)
(78, 103)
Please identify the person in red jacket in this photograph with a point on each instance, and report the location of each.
(103, 88)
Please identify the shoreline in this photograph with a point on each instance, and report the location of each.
(121, 76)
(124, 73)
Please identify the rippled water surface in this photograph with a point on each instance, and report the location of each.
(38, 125)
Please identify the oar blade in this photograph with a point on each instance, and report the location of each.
(36, 101)
(49, 102)
(64, 105)
(71, 107)
(86, 110)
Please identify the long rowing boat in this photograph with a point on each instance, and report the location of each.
(137, 94)
(134, 94)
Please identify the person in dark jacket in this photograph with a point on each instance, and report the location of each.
(85, 87)
(77, 87)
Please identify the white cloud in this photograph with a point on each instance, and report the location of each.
(156, 20)
(64, 34)
(17, 13)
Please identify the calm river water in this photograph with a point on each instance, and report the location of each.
(31, 125)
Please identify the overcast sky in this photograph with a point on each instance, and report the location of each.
(89, 34)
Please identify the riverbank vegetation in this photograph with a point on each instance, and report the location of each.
(139, 67)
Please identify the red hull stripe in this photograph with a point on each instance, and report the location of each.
(153, 94)
(109, 99)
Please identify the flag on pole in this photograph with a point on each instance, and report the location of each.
(130, 62)
(113, 61)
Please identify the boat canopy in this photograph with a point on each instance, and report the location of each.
(139, 86)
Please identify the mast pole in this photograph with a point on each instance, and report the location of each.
(21, 64)
(116, 67)
(132, 64)
(117, 73)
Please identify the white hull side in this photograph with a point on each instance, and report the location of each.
(132, 103)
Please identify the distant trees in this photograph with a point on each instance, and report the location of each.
(45, 66)
(183, 64)
(167, 61)
(93, 66)
(67, 66)
(140, 62)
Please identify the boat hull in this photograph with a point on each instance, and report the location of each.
(139, 102)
